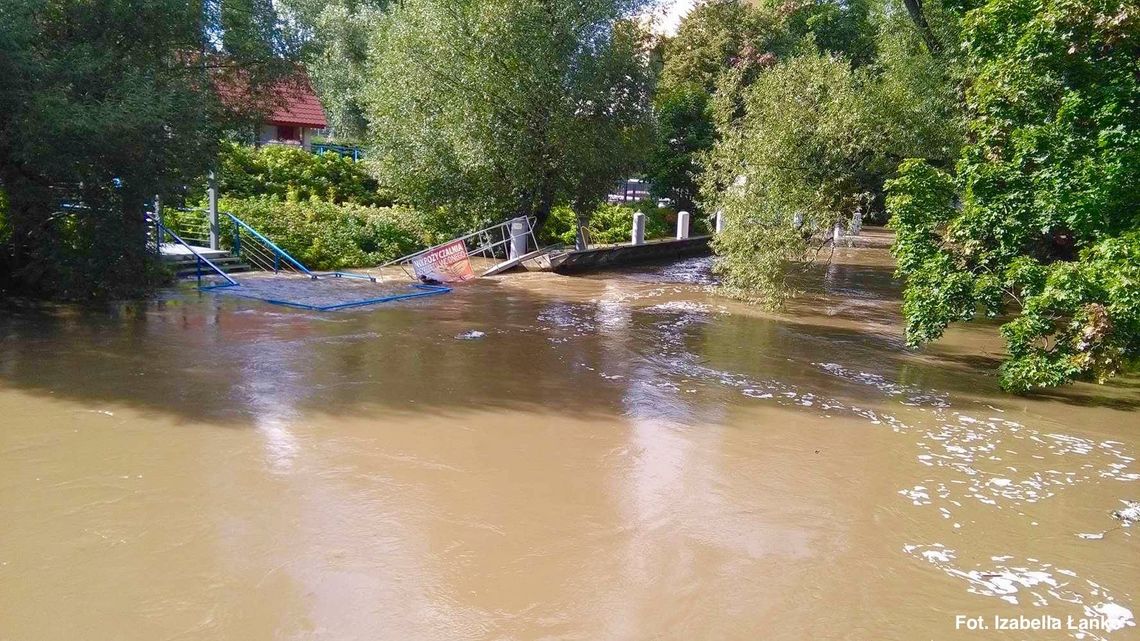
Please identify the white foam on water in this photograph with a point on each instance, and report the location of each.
(1033, 582)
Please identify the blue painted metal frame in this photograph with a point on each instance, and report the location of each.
(426, 290)
(161, 229)
(344, 150)
(421, 290)
(278, 252)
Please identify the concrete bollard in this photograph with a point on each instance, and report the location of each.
(837, 233)
(682, 225)
(719, 222)
(519, 229)
(856, 223)
(638, 228)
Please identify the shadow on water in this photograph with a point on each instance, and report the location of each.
(214, 359)
(488, 346)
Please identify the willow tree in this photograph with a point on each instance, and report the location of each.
(507, 107)
(102, 105)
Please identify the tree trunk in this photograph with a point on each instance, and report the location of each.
(914, 8)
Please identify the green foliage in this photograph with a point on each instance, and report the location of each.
(329, 236)
(1048, 222)
(684, 130)
(719, 36)
(721, 48)
(105, 104)
(507, 108)
(337, 58)
(291, 173)
(801, 152)
(812, 132)
(611, 223)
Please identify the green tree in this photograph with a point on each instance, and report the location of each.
(506, 108)
(337, 34)
(104, 105)
(1042, 218)
(810, 141)
(684, 130)
(796, 163)
(722, 47)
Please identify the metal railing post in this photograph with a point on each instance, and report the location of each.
(158, 219)
(212, 195)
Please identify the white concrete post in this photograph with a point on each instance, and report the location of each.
(837, 234)
(638, 228)
(719, 222)
(518, 237)
(682, 225)
(212, 197)
(856, 223)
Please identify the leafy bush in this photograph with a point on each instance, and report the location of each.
(612, 223)
(293, 174)
(330, 236)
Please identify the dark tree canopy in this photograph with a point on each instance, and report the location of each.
(106, 104)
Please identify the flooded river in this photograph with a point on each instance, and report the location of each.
(541, 457)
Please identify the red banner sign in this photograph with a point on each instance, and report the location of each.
(445, 264)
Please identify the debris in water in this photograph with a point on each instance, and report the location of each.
(472, 335)
(1091, 536)
(1130, 514)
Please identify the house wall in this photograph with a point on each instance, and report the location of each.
(267, 135)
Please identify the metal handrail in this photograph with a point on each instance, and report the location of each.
(199, 229)
(349, 151)
(280, 252)
(530, 220)
(201, 259)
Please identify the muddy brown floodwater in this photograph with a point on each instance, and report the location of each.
(543, 457)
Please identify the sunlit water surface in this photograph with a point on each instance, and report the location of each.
(542, 457)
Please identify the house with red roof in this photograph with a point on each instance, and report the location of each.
(298, 115)
(291, 111)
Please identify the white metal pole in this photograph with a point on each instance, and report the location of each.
(212, 195)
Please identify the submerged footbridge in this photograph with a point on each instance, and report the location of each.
(228, 256)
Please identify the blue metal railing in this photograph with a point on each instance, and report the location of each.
(350, 151)
(278, 254)
(160, 231)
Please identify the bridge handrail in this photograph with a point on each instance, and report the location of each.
(280, 252)
(530, 220)
(201, 259)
